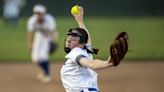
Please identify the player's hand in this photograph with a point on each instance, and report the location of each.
(79, 17)
(110, 61)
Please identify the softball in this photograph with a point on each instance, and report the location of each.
(75, 9)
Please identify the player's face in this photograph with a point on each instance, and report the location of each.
(72, 41)
(40, 17)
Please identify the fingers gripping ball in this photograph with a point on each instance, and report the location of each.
(75, 9)
(119, 48)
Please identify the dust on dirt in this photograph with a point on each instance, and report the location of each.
(127, 77)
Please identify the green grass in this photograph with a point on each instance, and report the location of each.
(145, 33)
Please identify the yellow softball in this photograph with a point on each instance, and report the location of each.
(75, 9)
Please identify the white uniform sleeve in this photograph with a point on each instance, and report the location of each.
(75, 53)
(30, 24)
(88, 46)
(51, 23)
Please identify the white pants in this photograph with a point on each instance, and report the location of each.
(40, 51)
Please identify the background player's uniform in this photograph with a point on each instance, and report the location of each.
(40, 50)
(72, 73)
(43, 30)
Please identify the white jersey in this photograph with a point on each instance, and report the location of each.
(41, 41)
(75, 76)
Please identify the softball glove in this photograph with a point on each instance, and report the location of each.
(119, 48)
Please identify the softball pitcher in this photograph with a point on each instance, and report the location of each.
(77, 74)
(41, 32)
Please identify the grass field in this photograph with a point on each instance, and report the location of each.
(145, 33)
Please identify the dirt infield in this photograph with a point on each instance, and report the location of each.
(128, 77)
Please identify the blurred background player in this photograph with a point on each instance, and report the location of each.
(11, 11)
(77, 74)
(41, 32)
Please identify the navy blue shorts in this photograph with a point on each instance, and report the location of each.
(91, 89)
